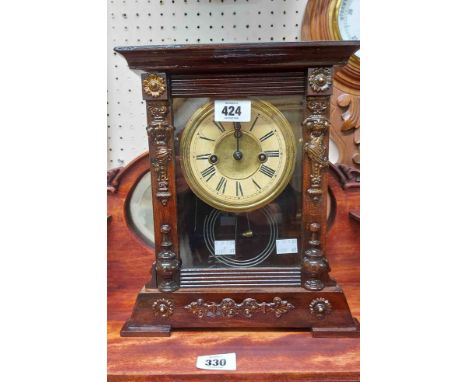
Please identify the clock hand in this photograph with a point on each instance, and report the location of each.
(237, 133)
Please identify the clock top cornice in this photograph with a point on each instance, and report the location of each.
(244, 57)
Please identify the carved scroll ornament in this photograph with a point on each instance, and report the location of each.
(228, 308)
(159, 133)
(351, 119)
(349, 177)
(113, 179)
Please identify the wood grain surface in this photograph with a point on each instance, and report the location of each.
(261, 355)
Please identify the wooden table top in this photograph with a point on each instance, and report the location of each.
(261, 355)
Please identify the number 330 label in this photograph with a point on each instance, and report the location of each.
(232, 111)
(217, 362)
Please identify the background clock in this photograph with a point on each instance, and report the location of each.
(238, 166)
(345, 21)
(339, 20)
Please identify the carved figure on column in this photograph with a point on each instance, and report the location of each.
(314, 265)
(159, 132)
(167, 264)
(315, 147)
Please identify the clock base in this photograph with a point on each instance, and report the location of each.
(326, 313)
(344, 332)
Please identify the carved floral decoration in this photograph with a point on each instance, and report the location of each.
(228, 308)
(154, 85)
(318, 105)
(320, 79)
(320, 308)
(163, 307)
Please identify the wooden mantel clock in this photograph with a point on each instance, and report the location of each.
(238, 144)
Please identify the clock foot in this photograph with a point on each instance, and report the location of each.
(337, 332)
(131, 329)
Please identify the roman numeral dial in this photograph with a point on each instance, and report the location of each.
(268, 171)
(238, 166)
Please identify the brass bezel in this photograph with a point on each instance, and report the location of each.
(282, 124)
(333, 14)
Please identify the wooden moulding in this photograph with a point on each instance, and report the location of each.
(204, 58)
(238, 84)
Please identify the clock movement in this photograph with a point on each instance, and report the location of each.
(238, 149)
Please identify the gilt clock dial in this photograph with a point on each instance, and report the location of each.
(238, 166)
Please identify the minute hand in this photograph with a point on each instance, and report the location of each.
(237, 134)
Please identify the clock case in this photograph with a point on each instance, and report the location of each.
(311, 299)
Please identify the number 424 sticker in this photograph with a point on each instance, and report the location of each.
(232, 111)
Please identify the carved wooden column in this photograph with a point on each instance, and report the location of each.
(315, 130)
(165, 269)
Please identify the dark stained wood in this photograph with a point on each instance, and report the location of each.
(267, 355)
(237, 57)
(298, 316)
(315, 132)
(165, 269)
(238, 84)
